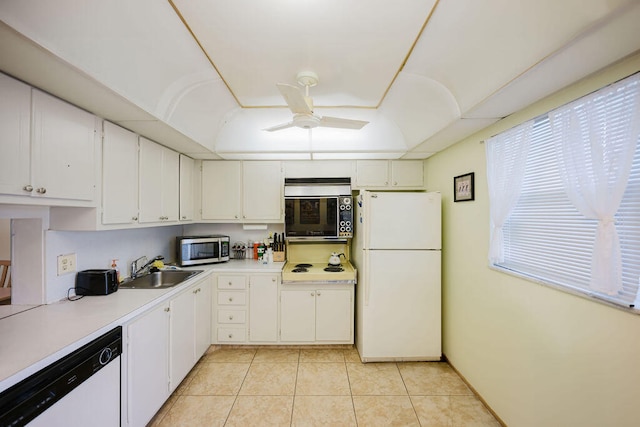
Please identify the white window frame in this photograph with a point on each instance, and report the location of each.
(556, 257)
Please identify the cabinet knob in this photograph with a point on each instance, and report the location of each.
(318, 293)
(230, 299)
(134, 218)
(167, 309)
(184, 217)
(395, 183)
(312, 294)
(41, 190)
(273, 279)
(231, 317)
(230, 283)
(230, 335)
(386, 183)
(235, 216)
(28, 188)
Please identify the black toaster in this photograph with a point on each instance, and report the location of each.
(96, 282)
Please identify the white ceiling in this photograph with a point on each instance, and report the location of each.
(200, 75)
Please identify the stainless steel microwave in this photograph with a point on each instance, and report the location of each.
(196, 250)
(318, 208)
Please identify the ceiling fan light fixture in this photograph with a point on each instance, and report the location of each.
(306, 121)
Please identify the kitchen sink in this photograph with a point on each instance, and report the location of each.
(159, 279)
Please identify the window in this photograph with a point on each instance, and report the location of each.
(545, 233)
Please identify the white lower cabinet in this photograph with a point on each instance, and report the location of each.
(147, 376)
(247, 308)
(163, 346)
(231, 309)
(263, 308)
(316, 315)
(182, 338)
(258, 309)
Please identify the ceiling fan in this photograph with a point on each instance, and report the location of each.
(301, 105)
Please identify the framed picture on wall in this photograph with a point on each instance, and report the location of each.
(463, 190)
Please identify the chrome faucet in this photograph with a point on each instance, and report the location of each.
(135, 271)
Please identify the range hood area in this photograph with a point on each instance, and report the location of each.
(185, 73)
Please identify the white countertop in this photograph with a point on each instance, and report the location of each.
(32, 339)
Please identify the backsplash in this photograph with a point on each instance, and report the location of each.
(96, 249)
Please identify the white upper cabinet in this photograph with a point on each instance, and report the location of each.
(390, 174)
(15, 124)
(234, 191)
(262, 191)
(119, 175)
(187, 181)
(221, 190)
(64, 150)
(159, 183)
(48, 148)
(407, 173)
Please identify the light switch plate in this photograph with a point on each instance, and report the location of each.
(66, 264)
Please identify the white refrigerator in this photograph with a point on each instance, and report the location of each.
(397, 252)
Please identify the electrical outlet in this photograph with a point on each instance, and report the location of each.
(66, 264)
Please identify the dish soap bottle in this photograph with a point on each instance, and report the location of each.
(114, 265)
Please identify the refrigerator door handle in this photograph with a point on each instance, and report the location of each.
(365, 279)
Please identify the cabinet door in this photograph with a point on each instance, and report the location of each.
(64, 150)
(15, 125)
(182, 337)
(407, 173)
(297, 315)
(221, 190)
(150, 181)
(170, 184)
(203, 292)
(119, 175)
(263, 308)
(334, 319)
(147, 365)
(372, 173)
(187, 169)
(262, 184)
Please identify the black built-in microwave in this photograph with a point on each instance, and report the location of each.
(318, 208)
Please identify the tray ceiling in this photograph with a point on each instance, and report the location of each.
(200, 75)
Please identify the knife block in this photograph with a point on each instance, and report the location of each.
(278, 256)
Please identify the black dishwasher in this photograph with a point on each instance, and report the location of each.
(26, 400)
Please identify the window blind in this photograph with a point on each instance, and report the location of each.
(545, 237)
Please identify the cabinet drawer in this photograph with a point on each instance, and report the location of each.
(232, 282)
(232, 316)
(232, 298)
(232, 334)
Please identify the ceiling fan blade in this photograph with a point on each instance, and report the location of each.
(336, 122)
(297, 102)
(279, 127)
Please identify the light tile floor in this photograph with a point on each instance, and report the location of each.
(319, 387)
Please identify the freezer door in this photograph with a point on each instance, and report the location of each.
(403, 220)
(400, 309)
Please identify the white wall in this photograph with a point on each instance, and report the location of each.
(96, 249)
(538, 356)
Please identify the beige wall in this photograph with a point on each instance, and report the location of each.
(538, 356)
(5, 238)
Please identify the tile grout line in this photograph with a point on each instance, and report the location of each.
(415, 412)
(240, 388)
(295, 386)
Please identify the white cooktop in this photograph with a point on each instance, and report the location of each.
(296, 272)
